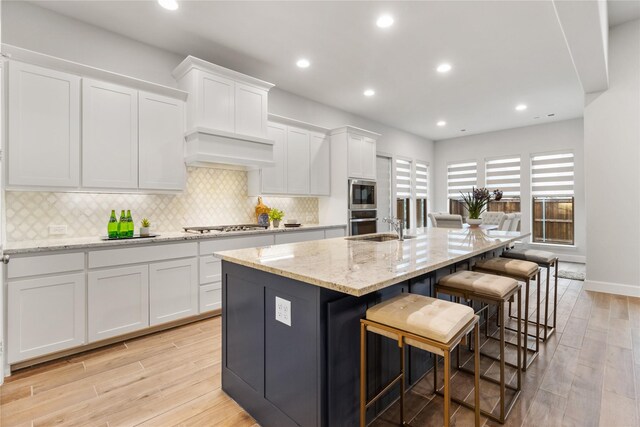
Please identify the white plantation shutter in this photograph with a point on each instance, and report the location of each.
(461, 177)
(422, 181)
(403, 179)
(504, 174)
(552, 175)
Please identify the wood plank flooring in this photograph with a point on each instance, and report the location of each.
(587, 374)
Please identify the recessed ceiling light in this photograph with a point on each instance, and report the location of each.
(385, 21)
(169, 4)
(369, 92)
(444, 68)
(521, 107)
(303, 63)
(441, 123)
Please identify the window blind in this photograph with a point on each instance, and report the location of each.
(552, 175)
(461, 177)
(403, 179)
(422, 180)
(504, 174)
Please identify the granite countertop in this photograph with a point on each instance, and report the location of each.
(357, 267)
(79, 243)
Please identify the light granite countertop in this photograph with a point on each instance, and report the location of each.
(80, 243)
(357, 267)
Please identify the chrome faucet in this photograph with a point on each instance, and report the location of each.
(398, 226)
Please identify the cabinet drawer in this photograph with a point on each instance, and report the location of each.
(116, 257)
(210, 297)
(210, 269)
(299, 236)
(45, 315)
(231, 243)
(44, 264)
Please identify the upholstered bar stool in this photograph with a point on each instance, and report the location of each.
(430, 324)
(495, 290)
(544, 259)
(523, 271)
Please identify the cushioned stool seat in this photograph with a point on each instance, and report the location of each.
(533, 255)
(514, 267)
(420, 315)
(480, 283)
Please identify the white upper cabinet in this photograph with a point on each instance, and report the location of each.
(215, 103)
(161, 142)
(44, 127)
(273, 178)
(355, 148)
(297, 161)
(251, 110)
(360, 151)
(109, 135)
(368, 153)
(319, 164)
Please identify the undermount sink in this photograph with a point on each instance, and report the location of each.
(378, 237)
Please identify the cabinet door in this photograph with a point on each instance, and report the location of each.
(319, 165)
(210, 297)
(354, 145)
(299, 236)
(251, 110)
(369, 158)
(109, 135)
(297, 161)
(216, 102)
(44, 127)
(46, 315)
(161, 142)
(118, 301)
(173, 290)
(274, 178)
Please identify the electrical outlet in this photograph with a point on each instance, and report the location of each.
(283, 311)
(57, 230)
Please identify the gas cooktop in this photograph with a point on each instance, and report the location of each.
(225, 228)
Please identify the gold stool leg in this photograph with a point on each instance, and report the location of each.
(402, 380)
(555, 295)
(538, 317)
(526, 323)
(363, 375)
(502, 365)
(546, 304)
(447, 390)
(519, 349)
(476, 378)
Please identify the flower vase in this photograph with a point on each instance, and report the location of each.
(474, 222)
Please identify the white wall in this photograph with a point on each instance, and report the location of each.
(561, 135)
(31, 27)
(612, 156)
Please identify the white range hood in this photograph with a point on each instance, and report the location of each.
(226, 116)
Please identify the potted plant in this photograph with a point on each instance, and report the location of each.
(144, 227)
(476, 203)
(276, 215)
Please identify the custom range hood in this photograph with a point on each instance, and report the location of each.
(226, 116)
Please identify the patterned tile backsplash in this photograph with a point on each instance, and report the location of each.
(212, 196)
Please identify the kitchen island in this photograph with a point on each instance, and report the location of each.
(290, 349)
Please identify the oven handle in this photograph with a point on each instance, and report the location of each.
(363, 220)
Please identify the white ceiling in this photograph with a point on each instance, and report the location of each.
(503, 53)
(621, 11)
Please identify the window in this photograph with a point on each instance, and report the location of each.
(461, 177)
(421, 190)
(504, 174)
(403, 191)
(553, 198)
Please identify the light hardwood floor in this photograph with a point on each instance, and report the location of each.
(587, 374)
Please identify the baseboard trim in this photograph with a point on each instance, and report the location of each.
(612, 288)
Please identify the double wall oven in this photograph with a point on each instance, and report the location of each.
(362, 207)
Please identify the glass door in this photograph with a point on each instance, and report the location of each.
(383, 179)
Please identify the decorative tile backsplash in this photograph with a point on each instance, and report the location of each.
(212, 196)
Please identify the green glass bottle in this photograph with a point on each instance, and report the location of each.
(112, 226)
(130, 224)
(123, 226)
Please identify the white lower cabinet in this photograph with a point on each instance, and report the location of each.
(173, 290)
(118, 301)
(299, 236)
(210, 297)
(45, 315)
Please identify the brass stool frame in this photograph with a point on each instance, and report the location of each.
(505, 409)
(444, 348)
(527, 280)
(548, 329)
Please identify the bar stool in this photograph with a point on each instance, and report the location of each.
(430, 324)
(546, 260)
(491, 290)
(523, 271)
